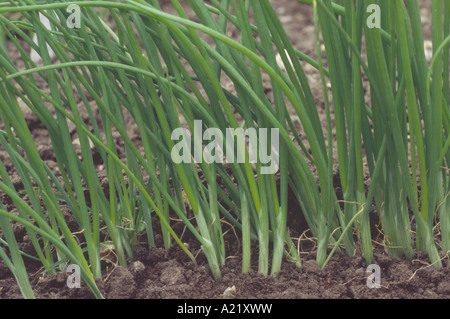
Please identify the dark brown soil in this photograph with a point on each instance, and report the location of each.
(157, 273)
(160, 274)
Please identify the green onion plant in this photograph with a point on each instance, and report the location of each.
(389, 108)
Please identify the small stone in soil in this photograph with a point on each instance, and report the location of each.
(138, 267)
(230, 293)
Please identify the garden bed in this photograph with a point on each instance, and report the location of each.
(160, 274)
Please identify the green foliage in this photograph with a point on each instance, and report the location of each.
(397, 137)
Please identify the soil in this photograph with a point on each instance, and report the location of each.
(157, 273)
